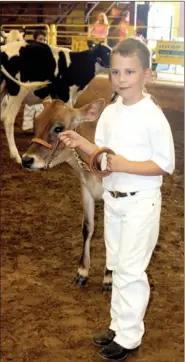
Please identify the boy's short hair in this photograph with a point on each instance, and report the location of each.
(131, 46)
(37, 33)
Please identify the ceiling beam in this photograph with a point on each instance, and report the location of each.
(21, 11)
(110, 7)
(70, 8)
(94, 5)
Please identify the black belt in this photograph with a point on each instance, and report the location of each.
(117, 194)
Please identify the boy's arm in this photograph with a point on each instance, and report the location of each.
(118, 163)
(162, 145)
(87, 147)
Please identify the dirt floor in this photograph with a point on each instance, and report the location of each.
(45, 317)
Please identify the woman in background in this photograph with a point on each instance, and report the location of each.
(124, 25)
(100, 28)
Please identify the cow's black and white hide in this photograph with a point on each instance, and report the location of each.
(2, 37)
(68, 74)
(13, 35)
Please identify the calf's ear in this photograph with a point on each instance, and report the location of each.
(46, 101)
(91, 112)
(91, 44)
(23, 33)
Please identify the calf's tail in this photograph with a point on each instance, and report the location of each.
(4, 90)
(30, 85)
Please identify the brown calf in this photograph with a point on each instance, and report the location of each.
(45, 152)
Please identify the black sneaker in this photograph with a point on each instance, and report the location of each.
(104, 338)
(115, 352)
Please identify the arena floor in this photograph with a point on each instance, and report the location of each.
(45, 317)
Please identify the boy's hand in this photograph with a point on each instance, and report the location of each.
(116, 163)
(70, 138)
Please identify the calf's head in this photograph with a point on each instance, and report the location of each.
(14, 35)
(101, 52)
(55, 118)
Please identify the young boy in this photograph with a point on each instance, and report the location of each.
(137, 131)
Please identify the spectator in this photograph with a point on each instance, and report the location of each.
(101, 27)
(124, 25)
(40, 36)
(140, 29)
(30, 112)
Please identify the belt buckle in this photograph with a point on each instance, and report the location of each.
(115, 194)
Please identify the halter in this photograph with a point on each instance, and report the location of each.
(92, 166)
(52, 147)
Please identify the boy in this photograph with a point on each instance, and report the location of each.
(137, 131)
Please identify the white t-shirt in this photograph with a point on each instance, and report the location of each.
(139, 132)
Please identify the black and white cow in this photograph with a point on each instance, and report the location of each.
(68, 73)
(2, 37)
(11, 36)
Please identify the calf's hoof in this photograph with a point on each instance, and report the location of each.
(80, 280)
(107, 287)
(107, 281)
(16, 158)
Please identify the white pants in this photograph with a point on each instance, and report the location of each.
(30, 112)
(131, 227)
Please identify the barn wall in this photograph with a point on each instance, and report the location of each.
(181, 21)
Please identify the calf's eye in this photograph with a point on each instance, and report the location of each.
(59, 129)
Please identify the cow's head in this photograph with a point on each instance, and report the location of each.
(55, 118)
(13, 35)
(101, 53)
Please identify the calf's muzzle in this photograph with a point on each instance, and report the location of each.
(27, 161)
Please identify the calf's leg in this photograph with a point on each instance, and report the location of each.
(87, 231)
(107, 280)
(8, 116)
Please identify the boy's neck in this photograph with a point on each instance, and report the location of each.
(136, 99)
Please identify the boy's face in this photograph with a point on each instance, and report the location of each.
(128, 77)
(41, 38)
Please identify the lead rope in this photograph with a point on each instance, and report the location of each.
(52, 154)
(81, 163)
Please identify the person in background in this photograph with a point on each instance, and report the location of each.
(140, 29)
(40, 36)
(30, 112)
(101, 27)
(124, 25)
